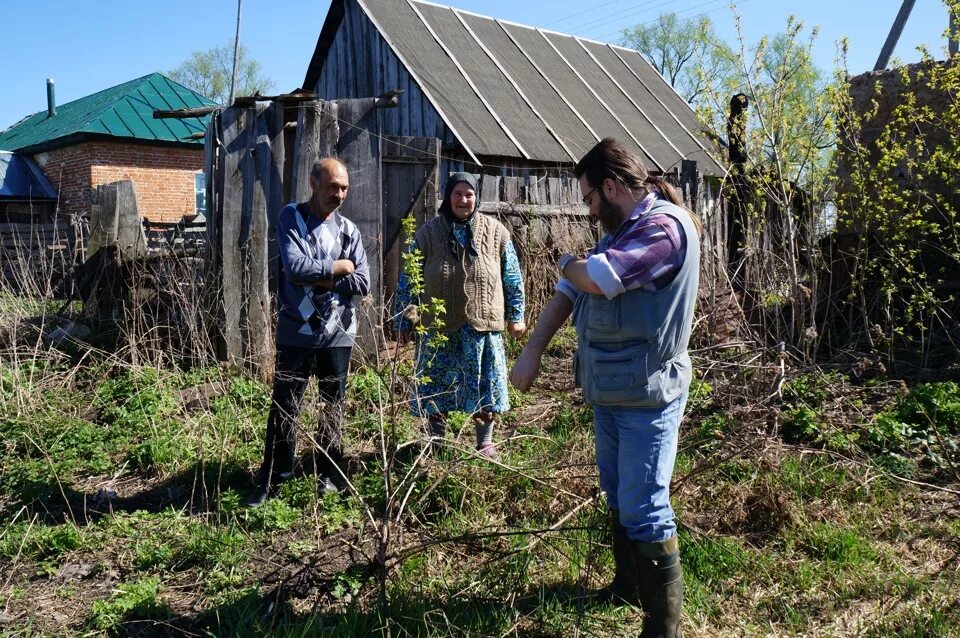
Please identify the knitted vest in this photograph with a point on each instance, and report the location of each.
(472, 293)
(632, 349)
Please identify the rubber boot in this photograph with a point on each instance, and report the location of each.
(660, 587)
(623, 589)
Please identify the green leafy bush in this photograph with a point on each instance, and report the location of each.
(925, 421)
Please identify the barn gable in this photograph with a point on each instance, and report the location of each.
(495, 89)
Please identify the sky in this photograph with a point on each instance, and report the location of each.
(95, 44)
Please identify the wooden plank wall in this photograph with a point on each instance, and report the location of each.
(360, 64)
(410, 187)
(235, 149)
(359, 148)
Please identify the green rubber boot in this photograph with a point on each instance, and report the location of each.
(623, 589)
(660, 588)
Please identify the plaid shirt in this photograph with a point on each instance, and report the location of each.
(646, 252)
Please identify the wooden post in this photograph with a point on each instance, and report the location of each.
(689, 183)
(232, 267)
(259, 335)
(737, 214)
(894, 34)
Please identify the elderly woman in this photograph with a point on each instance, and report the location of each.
(470, 264)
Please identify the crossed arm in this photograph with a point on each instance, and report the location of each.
(347, 276)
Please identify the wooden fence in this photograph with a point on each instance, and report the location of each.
(35, 258)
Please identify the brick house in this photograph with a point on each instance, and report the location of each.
(112, 135)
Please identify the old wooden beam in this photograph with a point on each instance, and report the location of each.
(179, 114)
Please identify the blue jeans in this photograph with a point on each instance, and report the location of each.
(636, 450)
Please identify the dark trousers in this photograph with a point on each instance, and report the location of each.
(294, 368)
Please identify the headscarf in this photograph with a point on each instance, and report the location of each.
(451, 219)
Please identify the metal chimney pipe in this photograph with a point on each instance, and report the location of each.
(51, 99)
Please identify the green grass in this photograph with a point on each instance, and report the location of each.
(780, 539)
(139, 600)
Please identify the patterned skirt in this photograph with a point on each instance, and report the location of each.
(468, 373)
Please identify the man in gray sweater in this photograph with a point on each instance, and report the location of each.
(323, 273)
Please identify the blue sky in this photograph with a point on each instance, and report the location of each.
(89, 46)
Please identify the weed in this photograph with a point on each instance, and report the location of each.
(139, 600)
(249, 394)
(919, 622)
(367, 387)
(348, 582)
(712, 561)
(38, 541)
(736, 470)
(814, 478)
(811, 389)
(825, 541)
(569, 420)
(275, 514)
(801, 425)
(700, 395)
(207, 546)
(926, 421)
(134, 400)
(149, 554)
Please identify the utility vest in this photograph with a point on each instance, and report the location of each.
(472, 293)
(632, 349)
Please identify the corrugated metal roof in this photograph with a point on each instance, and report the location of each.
(510, 90)
(20, 177)
(124, 111)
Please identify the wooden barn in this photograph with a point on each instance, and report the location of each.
(502, 98)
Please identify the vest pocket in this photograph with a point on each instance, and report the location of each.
(619, 374)
(603, 315)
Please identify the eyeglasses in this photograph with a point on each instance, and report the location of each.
(586, 198)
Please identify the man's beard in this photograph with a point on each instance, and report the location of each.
(609, 215)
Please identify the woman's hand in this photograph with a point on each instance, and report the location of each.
(525, 370)
(516, 328)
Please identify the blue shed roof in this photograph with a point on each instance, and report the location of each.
(20, 177)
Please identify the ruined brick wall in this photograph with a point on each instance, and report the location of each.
(162, 175)
(875, 97)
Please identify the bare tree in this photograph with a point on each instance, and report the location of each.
(687, 53)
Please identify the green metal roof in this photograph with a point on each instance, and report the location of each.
(123, 111)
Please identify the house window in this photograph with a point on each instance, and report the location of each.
(200, 193)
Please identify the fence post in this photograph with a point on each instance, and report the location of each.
(737, 220)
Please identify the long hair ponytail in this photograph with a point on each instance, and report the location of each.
(669, 192)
